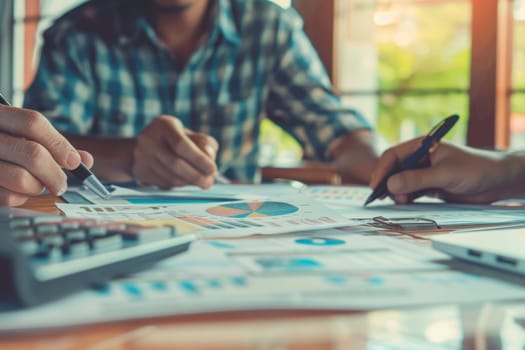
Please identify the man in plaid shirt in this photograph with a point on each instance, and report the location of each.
(152, 88)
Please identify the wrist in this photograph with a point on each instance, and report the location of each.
(511, 169)
(354, 155)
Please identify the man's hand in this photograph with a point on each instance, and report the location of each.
(456, 174)
(354, 155)
(32, 154)
(168, 155)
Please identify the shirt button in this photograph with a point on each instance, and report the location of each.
(120, 118)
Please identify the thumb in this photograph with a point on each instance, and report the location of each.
(87, 158)
(206, 143)
(411, 181)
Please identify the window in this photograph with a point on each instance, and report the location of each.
(278, 148)
(31, 18)
(283, 3)
(517, 123)
(405, 64)
(480, 34)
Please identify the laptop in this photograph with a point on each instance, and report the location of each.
(500, 248)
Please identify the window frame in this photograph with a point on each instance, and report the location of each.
(490, 88)
(32, 16)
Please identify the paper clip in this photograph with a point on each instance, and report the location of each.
(405, 224)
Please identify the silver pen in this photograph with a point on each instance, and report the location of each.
(221, 179)
(81, 172)
(90, 181)
(218, 177)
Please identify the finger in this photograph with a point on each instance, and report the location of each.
(160, 178)
(36, 159)
(11, 199)
(154, 178)
(183, 146)
(152, 171)
(401, 199)
(34, 126)
(172, 165)
(185, 171)
(141, 169)
(391, 159)
(17, 179)
(182, 173)
(87, 158)
(411, 181)
(205, 143)
(385, 165)
(149, 150)
(410, 198)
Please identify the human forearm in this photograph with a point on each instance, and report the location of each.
(164, 154)
(512, 175)
(113, 155)
(355, 155)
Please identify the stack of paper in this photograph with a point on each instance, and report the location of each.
(327, 269)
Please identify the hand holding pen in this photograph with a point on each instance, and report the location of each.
(408, 156)
(32, 155)
(168, 155)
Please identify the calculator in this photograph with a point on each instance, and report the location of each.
(44, 256)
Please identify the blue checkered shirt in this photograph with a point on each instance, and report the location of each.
(103, 71)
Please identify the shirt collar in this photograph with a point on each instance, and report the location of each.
(133, 22)
(225, 22)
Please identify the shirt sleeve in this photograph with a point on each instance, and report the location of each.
(62, 88)
(301, 98)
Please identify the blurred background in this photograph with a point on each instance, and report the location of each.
(405, 64)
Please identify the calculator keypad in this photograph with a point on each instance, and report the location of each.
(48, 239)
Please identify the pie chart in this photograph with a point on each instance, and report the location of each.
(252, 209)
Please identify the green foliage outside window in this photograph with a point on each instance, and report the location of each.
(437, 56)
(277, 146)
(518, 72)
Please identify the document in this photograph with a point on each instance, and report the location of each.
(224, 219)
(317, 251)
(343, 196)
(186, 194)
(348, 201)
(323, 269)
(345, 201)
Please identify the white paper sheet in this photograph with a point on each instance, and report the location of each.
(348, 201)
(317, 251)
(215, 276)
(187, 194)
(345, 200)
(238, 218)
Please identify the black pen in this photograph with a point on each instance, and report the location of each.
(418, 159)
(82, 172)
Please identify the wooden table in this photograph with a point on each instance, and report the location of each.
(483, 326)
